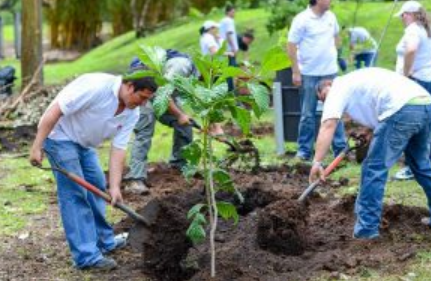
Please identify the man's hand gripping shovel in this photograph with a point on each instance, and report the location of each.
(360, 141)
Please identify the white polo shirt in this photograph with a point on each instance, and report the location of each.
(421, 68)
(369, 95)
(88, 105)
(208, 41)
(314, 37)
(227, 25)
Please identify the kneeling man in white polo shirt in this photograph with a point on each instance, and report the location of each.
(398, 111)
(92, 108)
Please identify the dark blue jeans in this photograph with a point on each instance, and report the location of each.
(408, 131)
(365, 59)
(82, 212)
(307, 122)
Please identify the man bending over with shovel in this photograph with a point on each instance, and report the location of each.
(92, 108)
(398, 111)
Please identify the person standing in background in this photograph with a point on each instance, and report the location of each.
(414, 54)
(312, 48)
(228, 33)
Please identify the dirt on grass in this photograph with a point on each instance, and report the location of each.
(275, 239)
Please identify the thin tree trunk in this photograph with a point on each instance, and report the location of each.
(31, 54)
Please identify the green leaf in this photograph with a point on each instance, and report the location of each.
(196, 233)
(230, 71)
(227, 211)
(242, 117)
(223, 180)
(153, 57)
(162, 98)
(216, 116)
(138, 74)
(275, 59)
(192, 153)
(189, 171)
(261, 97)
(219, 91)
(196, 209)
(184, 85)
(203, 64)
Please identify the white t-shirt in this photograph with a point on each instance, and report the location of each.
(208, 41)
(369, 95)
(88, 105)
(362, 40)
(227, 26)
(315, 38)
(422, 61)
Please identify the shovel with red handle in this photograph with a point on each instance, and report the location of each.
(88, 186)
(360, 141)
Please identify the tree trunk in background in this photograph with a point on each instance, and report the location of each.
(31, 53)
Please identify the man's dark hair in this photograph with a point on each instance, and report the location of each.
(249, 34)
(229, 8)
(313, 3)
(148, 83)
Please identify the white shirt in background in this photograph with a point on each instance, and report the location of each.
(227, 25)
(208, 41)
(88, 105)
(362, 40)
(315, 38)
(369, 95)
(421, 69)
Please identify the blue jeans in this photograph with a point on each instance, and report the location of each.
(82, 212)
(425, 84)
(307, 123)
(408, 131)
(365, 58)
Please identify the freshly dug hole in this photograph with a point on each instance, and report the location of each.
(282, 227)
(164, 244)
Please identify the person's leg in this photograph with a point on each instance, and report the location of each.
(183, 135)
(390, 139)
(144, 131)
(368, 59)
(418, 151)
(93, 174)
(230, 81)
(76, 212)
(307, 122)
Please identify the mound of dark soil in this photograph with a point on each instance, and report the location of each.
(272, 230)
(282, 227)
(16, 138)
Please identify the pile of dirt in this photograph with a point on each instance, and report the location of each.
(27, 108)
(13, 139)
(275, 238)
(257, 130)
(20, 116)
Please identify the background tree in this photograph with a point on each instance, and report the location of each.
(31, 52)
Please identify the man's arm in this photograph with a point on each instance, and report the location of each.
(183, 119)
(324, 140)
(292, 52)
(116, 164)
(47, 123)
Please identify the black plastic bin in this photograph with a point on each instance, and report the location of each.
(291, 105)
